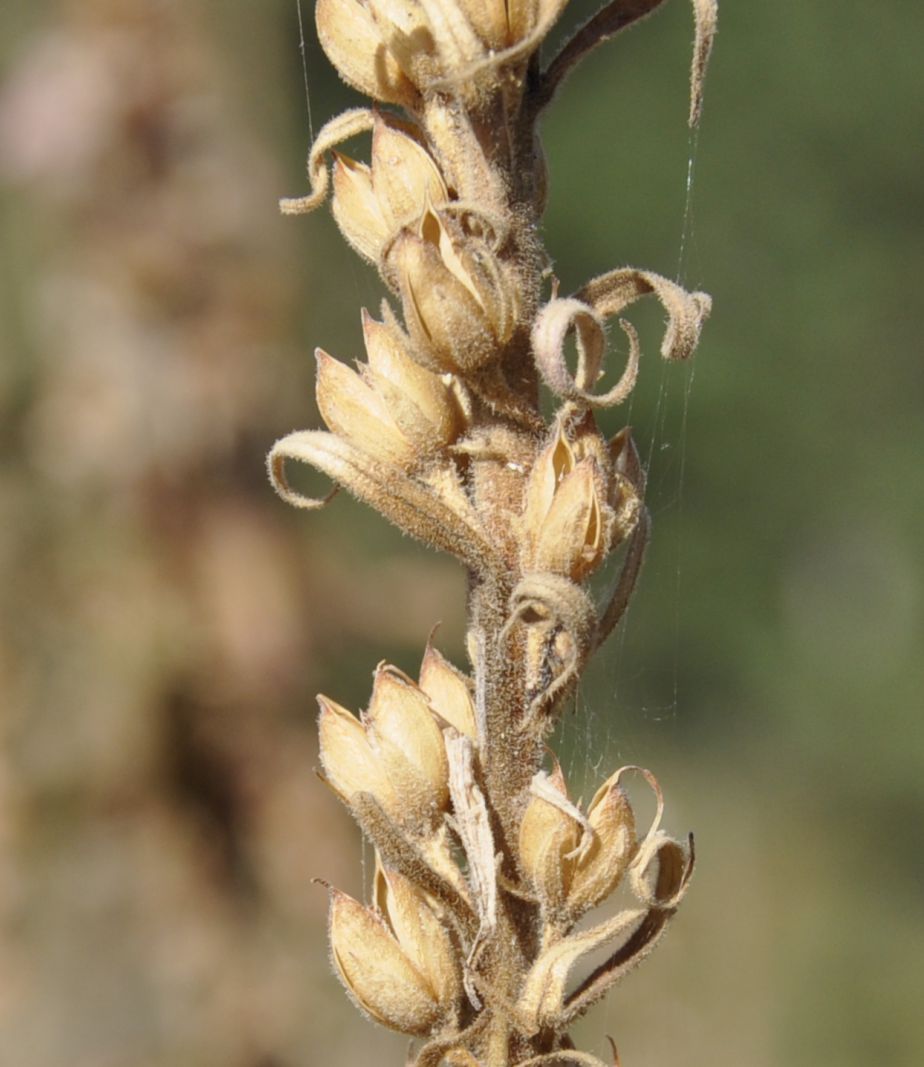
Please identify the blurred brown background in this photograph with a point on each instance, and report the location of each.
(167, 621)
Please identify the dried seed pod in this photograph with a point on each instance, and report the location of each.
(489, 20)
(354, 411)
(548, 836)
(571, 538)
(444, 316)
(393, 409)
(403, 730)
(354, 43)
(377, 972)
(357, 209)
(613, 844)
(554, 462)
(396, 752)
(425, 940)
(349, 762)
(421, 403)
(404, 176)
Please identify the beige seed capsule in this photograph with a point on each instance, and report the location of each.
(548, 836)
(356, 207)
(603, 865)
(405, 733)
(570, 540)
(353, 41)
(425, 940)
(449, 692)
(356, 412)
(446, 321)
(349, 763)
(376, 971)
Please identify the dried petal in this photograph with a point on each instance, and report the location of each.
(342, 128)
(661, 872)
(543, 998)
(611, 293)
(550, 330)
(561, 622)
(423, 511)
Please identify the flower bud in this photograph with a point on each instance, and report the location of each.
(354, 43)
(376, 971)
(548, 836)
(449, 692)
(600, 869)
(355, 411)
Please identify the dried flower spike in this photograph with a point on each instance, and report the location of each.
(484, 864)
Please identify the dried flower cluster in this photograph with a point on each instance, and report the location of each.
(483, 863)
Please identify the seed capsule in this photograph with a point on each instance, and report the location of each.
(354, 43)
(547, 837)
(395, 752)
(350, 765)
(424, 939)
(356, 207)
(570, 540)
(406, 735)
(601, 868)
(404, 176)
(421, 404)
(376, 971)
(354, 410)
(449, 692)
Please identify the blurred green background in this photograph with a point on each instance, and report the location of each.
(167, 621)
